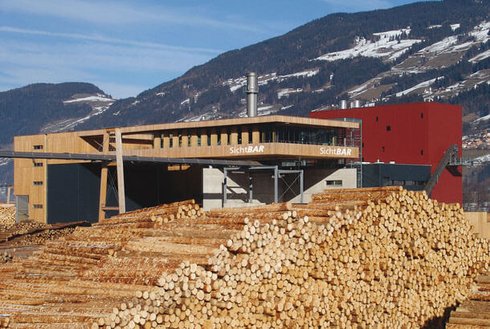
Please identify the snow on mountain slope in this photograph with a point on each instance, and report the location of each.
(420, 86)
(98, 102)
(262, 80)
(4, 162)
(438, 55)
(388, 46)
(480, 57)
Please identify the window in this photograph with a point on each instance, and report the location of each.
(421, 152)
(38, 147)
(421, 115)
(37, 206)
(388, 128)
(334, 182)
(38, 182)
(382, 148)
(38, 164)
(377, 119)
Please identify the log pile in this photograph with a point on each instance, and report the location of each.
(390, 259)
(5, 257)
(81, 277)
(473, 312)
(19, 229)
(357, 258)
(7, 216)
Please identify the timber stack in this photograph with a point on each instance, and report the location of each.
(390, 258)
(5, 257)
(379, 257)
(7, 216)
(474, 311)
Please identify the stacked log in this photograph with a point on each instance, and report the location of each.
(4, 322)
(185, 211)
(80, 277)
(473, 312)
(5, 257)
(397, 261)
(7, 216)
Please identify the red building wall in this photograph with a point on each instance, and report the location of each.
(415, 133)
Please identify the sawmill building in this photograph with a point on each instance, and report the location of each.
(232, 162)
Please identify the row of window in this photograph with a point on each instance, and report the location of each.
(267, 134)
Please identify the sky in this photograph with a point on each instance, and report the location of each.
(125, 47)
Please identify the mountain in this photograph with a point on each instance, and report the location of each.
(423, 51)
(43, 108)
(426, 51)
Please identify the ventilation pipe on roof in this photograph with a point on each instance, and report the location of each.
(252, 91)
(343, 104)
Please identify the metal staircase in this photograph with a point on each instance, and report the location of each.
(449, 156)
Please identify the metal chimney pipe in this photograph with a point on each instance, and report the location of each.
(252, 91)
(343, 104)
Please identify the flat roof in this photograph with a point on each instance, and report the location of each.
(298, 121)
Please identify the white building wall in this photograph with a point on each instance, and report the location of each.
(315, 181)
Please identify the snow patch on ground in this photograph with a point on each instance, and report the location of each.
(303, 74)
(261, 111)
(89, 99)
(480, 57)
(454, 27)
(386, 47)
(484, 118)
(4, 162)
(287, 91)
(421, 85)
(185, 101)
(452, 44)
(262, 80)
(482, 159)
(99, 103)
(480, 32)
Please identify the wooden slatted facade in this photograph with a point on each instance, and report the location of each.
(267, 138)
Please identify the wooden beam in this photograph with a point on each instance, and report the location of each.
(103, 178)
(120, 172)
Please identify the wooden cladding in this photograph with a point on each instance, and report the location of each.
(254, 151)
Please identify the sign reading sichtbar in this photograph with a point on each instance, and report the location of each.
(247, 149)
(336, 151)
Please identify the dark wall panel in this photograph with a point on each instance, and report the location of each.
(73, 189)
(149, 184)
(411, 177)
(73, 192)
